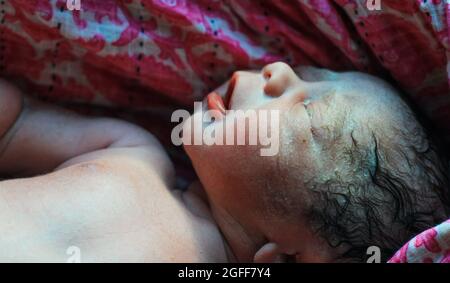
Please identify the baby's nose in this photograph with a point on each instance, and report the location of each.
(279, 76)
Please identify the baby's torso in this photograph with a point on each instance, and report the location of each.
(103, 215)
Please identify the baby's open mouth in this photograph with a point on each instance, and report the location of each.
(216, 102)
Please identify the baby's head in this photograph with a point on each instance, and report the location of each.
(354, 169)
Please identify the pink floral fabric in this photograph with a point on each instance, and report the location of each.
(155, 54)
(144, 58)
(431, 246)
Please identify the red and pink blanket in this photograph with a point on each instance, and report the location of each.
(147, 57)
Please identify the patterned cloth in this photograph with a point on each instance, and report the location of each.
(431, 246)
(141, 59)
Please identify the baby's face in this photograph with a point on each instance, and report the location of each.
(323, 114)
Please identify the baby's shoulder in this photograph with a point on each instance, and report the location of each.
(146, 162)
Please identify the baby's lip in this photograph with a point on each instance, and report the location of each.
(215, 102)
(220, 99)
(230, 91)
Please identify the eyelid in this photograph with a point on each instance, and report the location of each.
(309, 112)
(306, 104)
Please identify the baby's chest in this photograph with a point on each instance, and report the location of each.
(178, 235)
(150, 226)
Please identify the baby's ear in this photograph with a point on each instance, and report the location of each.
(269, 253)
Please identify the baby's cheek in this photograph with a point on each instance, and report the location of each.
(304, 160)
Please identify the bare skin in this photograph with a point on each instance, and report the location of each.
(258, 202)
(110, 192)
(102, 185)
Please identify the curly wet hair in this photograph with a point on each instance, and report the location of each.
(399, 191)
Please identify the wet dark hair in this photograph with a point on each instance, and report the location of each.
(398, 191)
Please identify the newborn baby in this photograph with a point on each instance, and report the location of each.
(355, 169)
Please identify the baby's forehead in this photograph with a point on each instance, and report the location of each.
(341, 121)
(365, 103)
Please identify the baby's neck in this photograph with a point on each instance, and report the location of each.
(198, 206)
(239, 244)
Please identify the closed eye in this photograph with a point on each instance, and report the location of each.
(309, 110)
(307, 103)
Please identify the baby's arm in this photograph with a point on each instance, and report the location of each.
(36, 138)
